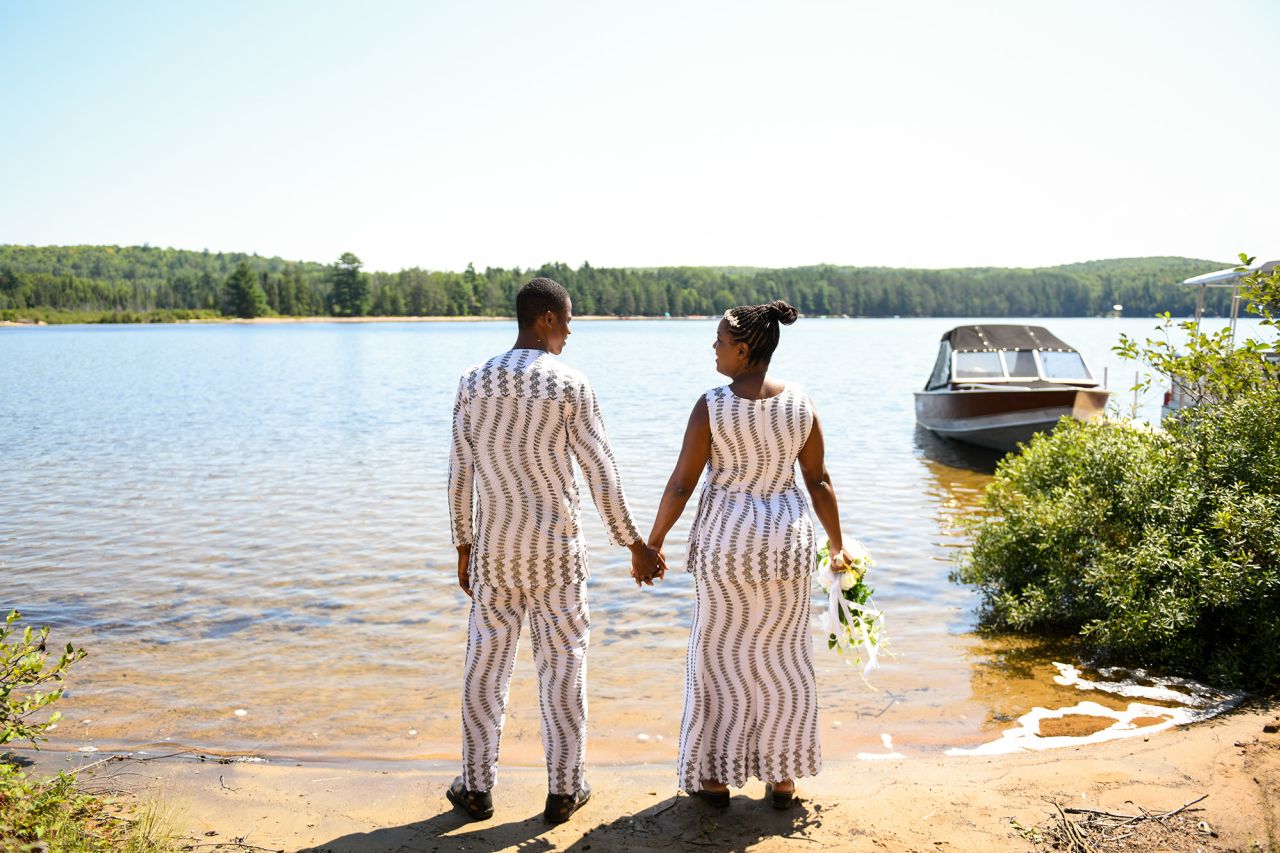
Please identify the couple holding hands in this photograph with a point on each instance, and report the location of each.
(750, 705)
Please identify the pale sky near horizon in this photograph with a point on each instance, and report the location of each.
(911, 134)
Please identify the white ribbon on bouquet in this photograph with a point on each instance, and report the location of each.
(860, 615)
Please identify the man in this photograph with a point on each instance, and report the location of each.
(518, 419)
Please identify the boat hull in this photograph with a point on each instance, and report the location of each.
(1002, 419)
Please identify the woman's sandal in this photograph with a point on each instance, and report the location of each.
(560, 807)
(477, 804)
(780, 799)
(719, 799)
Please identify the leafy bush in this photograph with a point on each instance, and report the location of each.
(53, 814)
(1156, 548)
(25, 672)
(45, 814)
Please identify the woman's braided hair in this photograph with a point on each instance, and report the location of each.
(757, 327)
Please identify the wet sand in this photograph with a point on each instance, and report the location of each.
(937, 804)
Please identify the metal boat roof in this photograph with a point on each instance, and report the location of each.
(998, 336)
(1229, 277)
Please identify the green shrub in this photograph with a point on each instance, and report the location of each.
(53, 814)
(25, 674)
(50, 814)
(1155, 548)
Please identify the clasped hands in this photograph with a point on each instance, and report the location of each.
(647, 563)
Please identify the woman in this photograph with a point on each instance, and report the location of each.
(751, 704)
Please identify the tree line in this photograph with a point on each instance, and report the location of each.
(164, 283)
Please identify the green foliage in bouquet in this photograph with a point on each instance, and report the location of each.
(859, 593)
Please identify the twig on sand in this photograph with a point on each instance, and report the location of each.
(1183, 807)
(129, 757)
(1074, 836)
(667, 808)
(1097, 826)
(100, 762)
(1146, 815)
(1073, 810)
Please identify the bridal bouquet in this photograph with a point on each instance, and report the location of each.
(855, 626)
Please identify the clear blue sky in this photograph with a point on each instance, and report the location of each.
(646, 133)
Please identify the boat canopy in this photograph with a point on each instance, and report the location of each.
(1230, 277)
(1226, 278)
(1004, 337)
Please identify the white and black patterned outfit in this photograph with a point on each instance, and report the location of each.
(751, 700)
(519, 420)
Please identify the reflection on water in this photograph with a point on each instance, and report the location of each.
(943, 456)
(252, 518)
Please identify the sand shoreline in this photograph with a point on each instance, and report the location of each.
(939, 803)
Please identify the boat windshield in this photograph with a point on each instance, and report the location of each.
(1020, 364)
(978, 365)
(1064, 365)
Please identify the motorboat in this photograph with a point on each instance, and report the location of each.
(997, 385)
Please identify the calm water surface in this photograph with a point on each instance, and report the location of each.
(252, 518)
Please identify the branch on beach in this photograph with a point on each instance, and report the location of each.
(1098, 830)
(1144, 816)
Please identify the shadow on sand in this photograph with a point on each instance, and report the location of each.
(678, 823)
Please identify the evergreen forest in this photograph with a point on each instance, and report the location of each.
(144, 283)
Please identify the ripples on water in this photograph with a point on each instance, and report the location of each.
(252, 517)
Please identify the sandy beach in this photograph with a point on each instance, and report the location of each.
(935, 804)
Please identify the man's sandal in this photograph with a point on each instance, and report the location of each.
(560, 807)
(477, 804)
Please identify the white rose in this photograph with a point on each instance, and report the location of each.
(826, 578)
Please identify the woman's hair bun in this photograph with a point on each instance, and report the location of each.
(784, 312)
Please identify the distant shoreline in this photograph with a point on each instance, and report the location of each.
(284, 321)
(269, 321)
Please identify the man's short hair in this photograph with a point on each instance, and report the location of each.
(537, 297)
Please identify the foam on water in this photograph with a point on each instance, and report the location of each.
(1190, 703)
(890, 752)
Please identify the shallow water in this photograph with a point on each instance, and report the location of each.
(252, 518)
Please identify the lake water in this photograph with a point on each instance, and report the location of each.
(252, 518)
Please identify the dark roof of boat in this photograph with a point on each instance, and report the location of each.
(997, 337)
